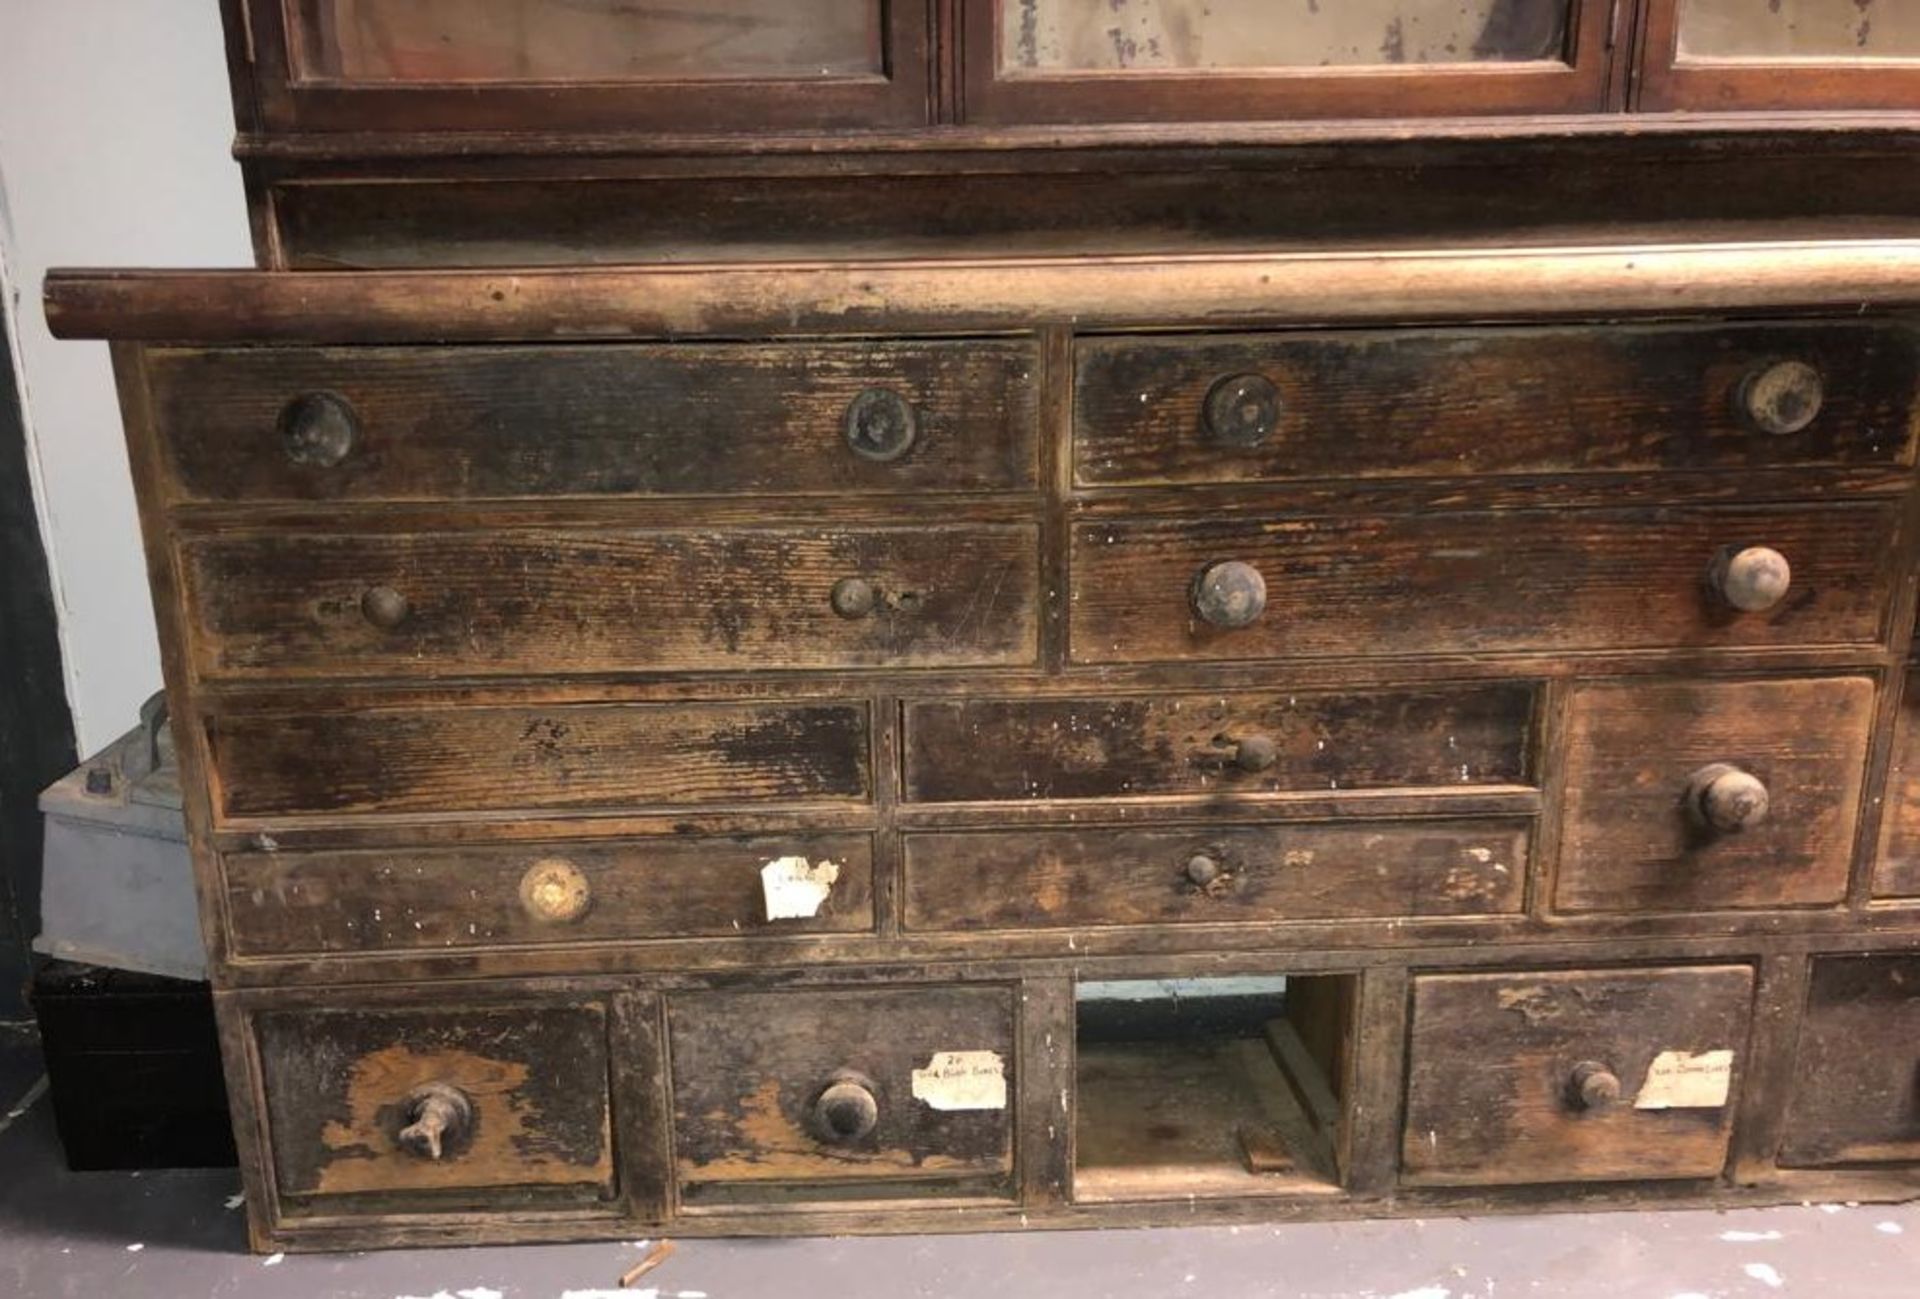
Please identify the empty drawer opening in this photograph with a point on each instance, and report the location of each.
(1197, 1087)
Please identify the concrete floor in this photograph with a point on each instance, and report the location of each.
(176, 1235)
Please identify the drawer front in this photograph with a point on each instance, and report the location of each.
(603, 420)
(1856, 1090)
(463, 759)
(391, 900)
(1572, 1076)
(607, 600)
(1156, 411)
(1018, 750)
(1041, 879)
(427, 1105)
(821, 1087)
(1522, 580)
(1683, 796)
(1897, 870)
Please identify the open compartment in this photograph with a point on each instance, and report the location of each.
(1211, 1087)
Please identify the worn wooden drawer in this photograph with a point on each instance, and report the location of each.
(461, 758)
(1856, 1087)
(1157, 590)
(901, 1090)
(1897, 869)
(497, 1107)
(1015, 750)
(1048, 878)
(417, 423)
(1573, 1076)
(285, 903)
(608, 599)
(1692, 795)
(1449, 403)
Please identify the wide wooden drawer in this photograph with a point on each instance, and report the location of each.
(904, 1088)
(1573, 1076)
(1018, 750)
(1157, 590)
(1448, 403)
(1048, 878)
(608, 599)
(501, 1106)
(458, 758)
(286, 903)
(414, 423)
(1856, 1088)
(1696, 795)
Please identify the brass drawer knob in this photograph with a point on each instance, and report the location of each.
(1230, 595)
(1242, 410)
(1592, 1086)
(853, 597)
(1751, 579)
(1202, 870)
(881, 425)
(845, 1110)
(1782, 397)
(319, 430)
(1256, 753)
(1723, 797)
(439, 1118)
(554, 891)
(384, 607)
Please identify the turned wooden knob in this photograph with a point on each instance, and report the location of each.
(1256, 753)
(1784, 397)
(1242, 410)
(439, 1116)
(384, 607)
(1202, 870)
(1751, 579)
(881, 425)
(845, 1110)
(318, 430)
(1230, 594)
(555, 891)
(1725, 798)
(853, 597)
(1592, 1086)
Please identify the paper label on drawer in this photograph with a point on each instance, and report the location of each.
(1679, 1080)
(796, 888)
(962, 1080)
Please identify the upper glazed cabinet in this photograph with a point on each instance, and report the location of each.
(1745, 55)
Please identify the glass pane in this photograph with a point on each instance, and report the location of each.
(1197, 35)
(425, 42)
(1827, 30)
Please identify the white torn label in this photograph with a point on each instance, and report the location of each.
(1679, 1080)
(962, 1080)
(796, 888)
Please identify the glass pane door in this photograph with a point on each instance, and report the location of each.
(1772, 55)
(1831, 31)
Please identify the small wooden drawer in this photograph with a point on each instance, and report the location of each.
(1897, 868)
(288, 903)
(437, 1108)
(583, 600)
(457, 758)
(1452, 403)
(1175, 590)
(1574, 1076)
(1020, 750)
(373, 423)
(1698, 795)
(1042, 879)
(1856, 1089)
(903, 1091)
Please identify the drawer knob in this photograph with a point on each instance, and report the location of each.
(555, 891)
(853, 597)
(1592, 1086)
(881, 425)
(1783, 397)
(1725, 798)
(438, 1116)
(1256, 753)
(846, 1110)
(1752, 579)
(1202, 870)
(318, 430)
(1230, 594)
(1242, 410)
(384, 607)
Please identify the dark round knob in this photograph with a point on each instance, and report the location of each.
(318, 430)
(881, 424)
(1242, 410)
(1202, 870)
(1592, 1086)
(845, 1111)
(1256, 753)
(1230, 594)
(384, 607)
(1783, 397)
(1750, 579)
(1725, 798)
(439, 1118)
(853, 597)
